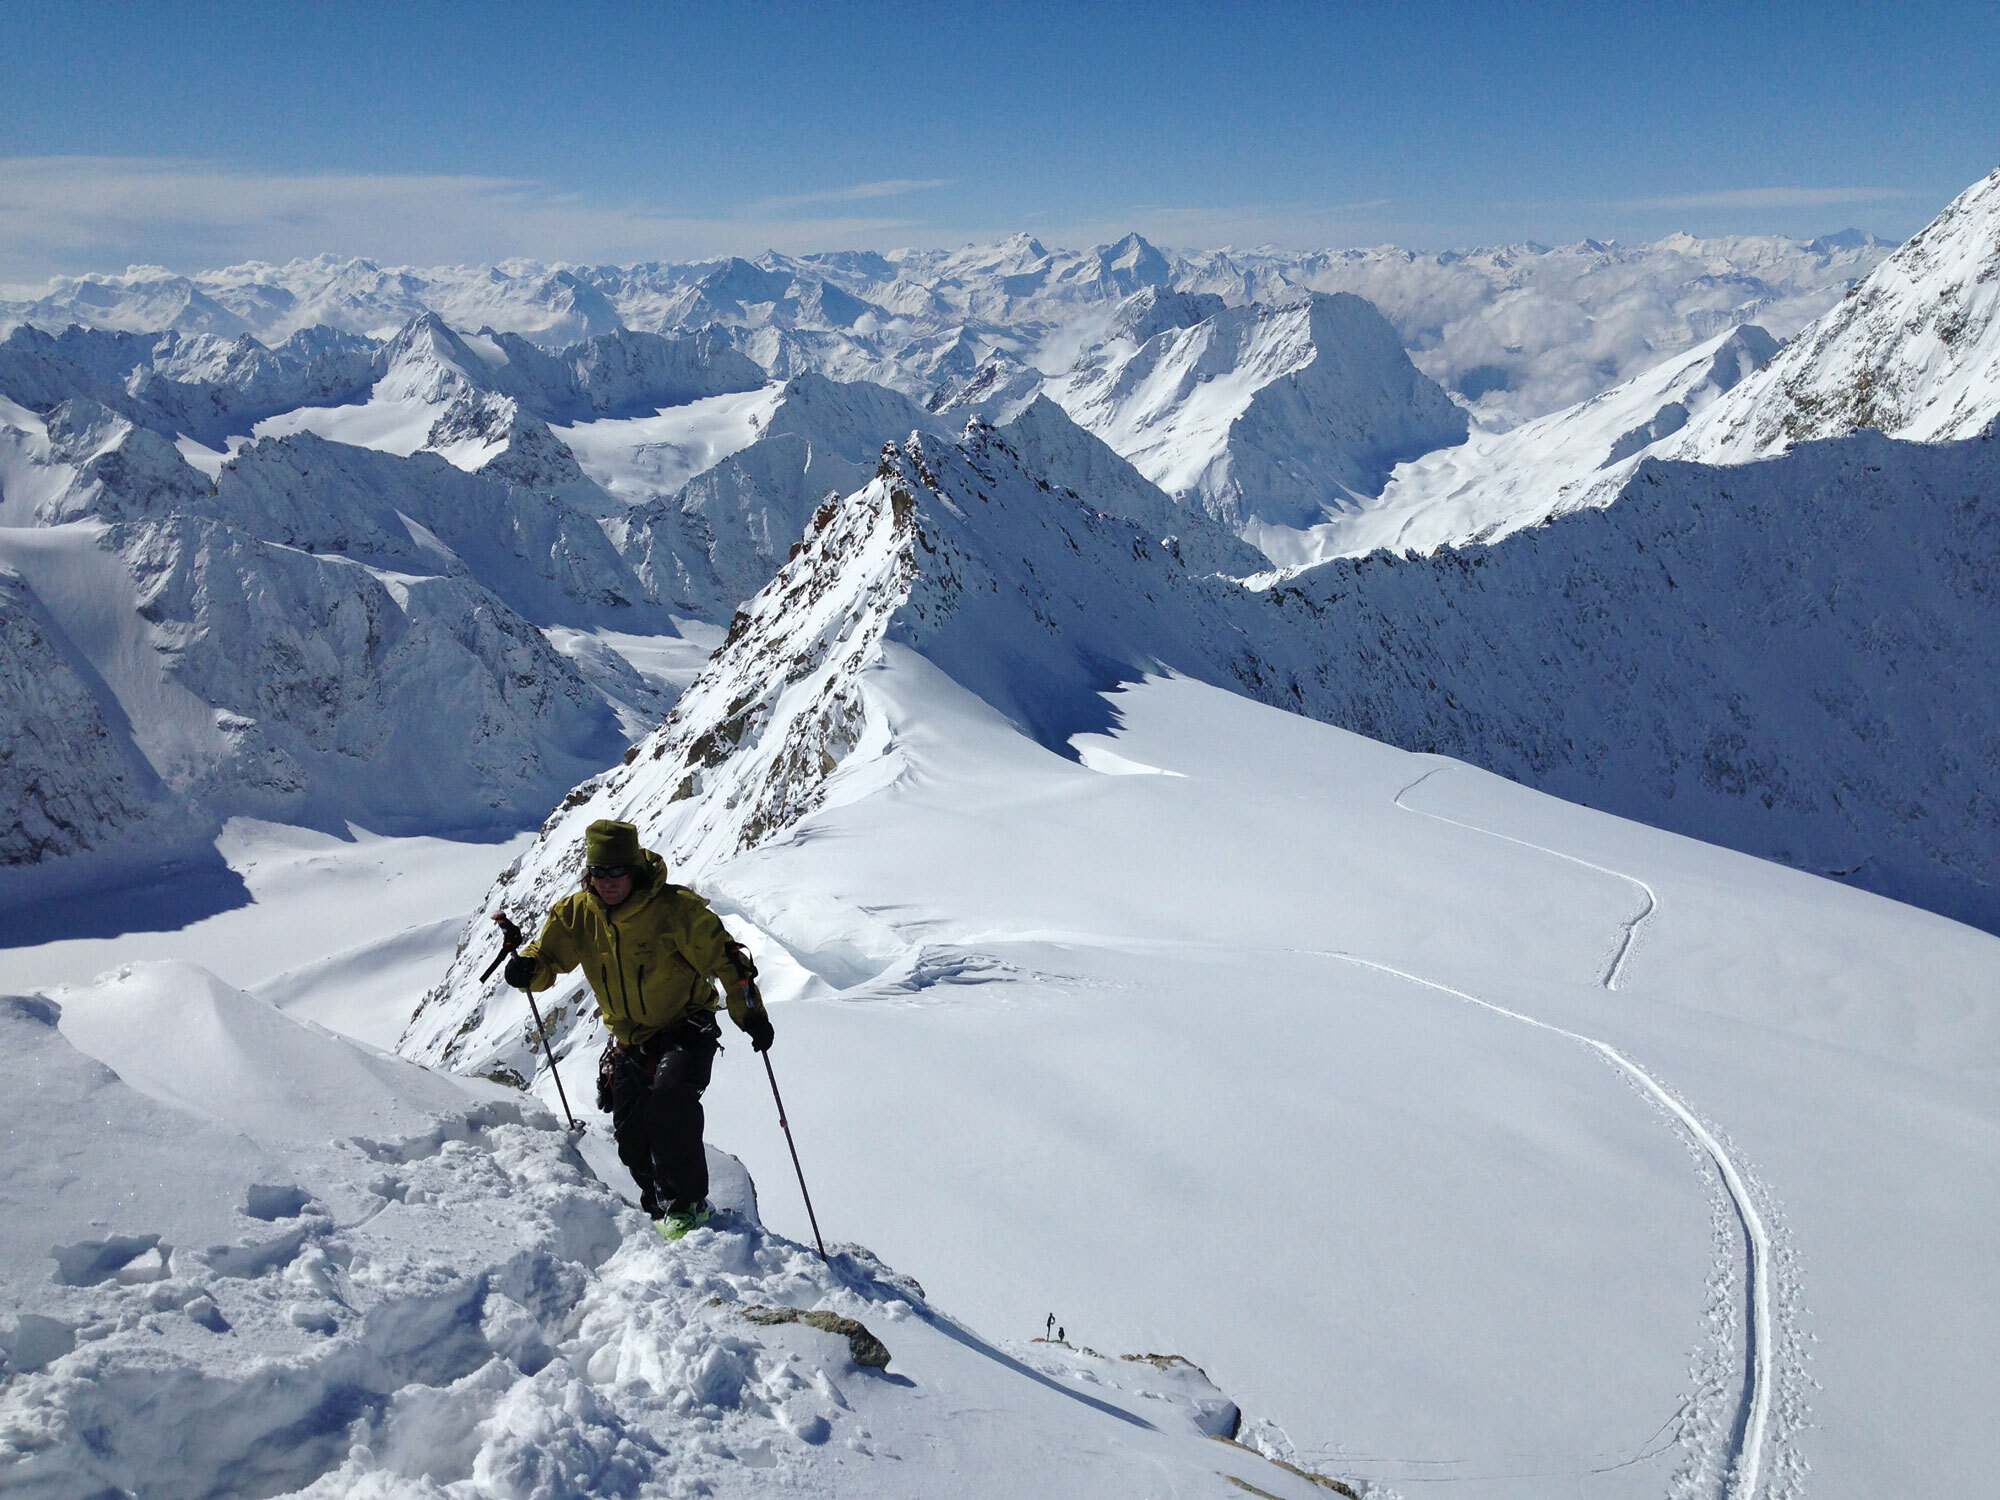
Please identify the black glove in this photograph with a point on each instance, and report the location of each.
(520, 971)
(607, 1070)
(757, 1026)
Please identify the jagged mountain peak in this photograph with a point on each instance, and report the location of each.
(1913, 351)
(1276, 413)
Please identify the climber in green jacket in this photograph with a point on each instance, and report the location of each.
(650, 950)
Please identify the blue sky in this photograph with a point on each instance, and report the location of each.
(192, 135)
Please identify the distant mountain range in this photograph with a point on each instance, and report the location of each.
(1515, 331)
(379, 568)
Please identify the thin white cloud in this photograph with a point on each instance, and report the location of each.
(69, 214)
(860, 192)
(1770, 197)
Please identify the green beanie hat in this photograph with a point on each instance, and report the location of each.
(606, 842)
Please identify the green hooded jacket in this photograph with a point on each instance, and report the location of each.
(649, 959)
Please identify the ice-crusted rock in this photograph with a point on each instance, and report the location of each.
(1282, 414)
(1913, 351)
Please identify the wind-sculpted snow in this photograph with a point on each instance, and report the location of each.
(239, 1255)
(1255, 413)
(1913, 351)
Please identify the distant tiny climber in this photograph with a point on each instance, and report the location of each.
(650, 949)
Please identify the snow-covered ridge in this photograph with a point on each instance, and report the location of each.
(1539, 657)
(1023, 591)
(1913, 351)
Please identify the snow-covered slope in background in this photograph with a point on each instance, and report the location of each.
(1913, 352)
(1787, 657)
(320, 633)
(1498, 482)
(71, 779)
(240, 1255)
(1279, 414)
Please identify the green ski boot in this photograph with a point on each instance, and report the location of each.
(681, 1220)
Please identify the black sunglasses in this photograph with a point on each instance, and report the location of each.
(606, 872)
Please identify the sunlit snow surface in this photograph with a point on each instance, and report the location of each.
(1459, 1133)
(637, 458)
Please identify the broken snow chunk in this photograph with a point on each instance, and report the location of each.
(269, 1203)
(804, 1421)
(34, 1341)
(149, 1267)
(204, 1311)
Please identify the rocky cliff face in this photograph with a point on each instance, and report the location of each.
(69, 781)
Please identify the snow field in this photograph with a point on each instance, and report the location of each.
(1338, 1097)
(345, 932)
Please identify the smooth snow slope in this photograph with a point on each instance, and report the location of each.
(1202, 1055)
(1464, 1134)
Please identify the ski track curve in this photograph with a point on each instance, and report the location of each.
(1753, 1425)
(1629, 934)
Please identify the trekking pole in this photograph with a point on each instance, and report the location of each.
(510, 940)
(792, 1145)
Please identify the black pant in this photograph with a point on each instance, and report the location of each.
(657, 1119)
